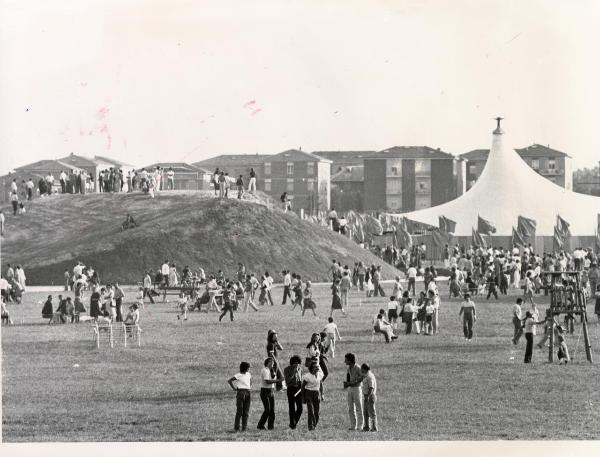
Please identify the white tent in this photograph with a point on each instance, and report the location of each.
(508, 188)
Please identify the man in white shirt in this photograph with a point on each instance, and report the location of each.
(287, 282)
(331, 330)
(267, 385)
(63, 182)
(164, 271)
(312, 384)
(268, 282)
(241, 383)
(411, 273)
(170, 179)
(517, 322)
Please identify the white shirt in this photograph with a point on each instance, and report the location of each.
(412, 272)
(287, 280)
(242, 380)
(164, 269)
(265, 374)
(368, 382)
(313, 381)
(392, 304)
(517, 310)
(63, 176)
(330, 328)
(170, 175)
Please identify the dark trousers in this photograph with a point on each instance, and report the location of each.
(294, 405)
(492, 290)
(411, 286)
(227, 308)
(242, 410)
(361, 282)
(313, 403)
(378, 289)
(468, 326)
(268, 415)
(15, 206)
(529, 347)
(63, 186)
(148, 294)
(518, 325)
(286, 294)
(119, 303)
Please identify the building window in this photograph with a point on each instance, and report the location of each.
(289, 185)
(551, 164)
(267, 185)
(535, 164)
(472, 169)
(395, 171)
(310, 185)
(290, 168)
(310, 168)
(267, 168)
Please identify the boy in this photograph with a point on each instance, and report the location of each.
(331, 329)
(183, 306)
(243, 399)
(369, 388)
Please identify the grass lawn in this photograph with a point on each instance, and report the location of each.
(174, 387)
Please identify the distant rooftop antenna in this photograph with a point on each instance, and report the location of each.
(498, 130)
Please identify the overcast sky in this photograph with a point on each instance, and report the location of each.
(147, 81)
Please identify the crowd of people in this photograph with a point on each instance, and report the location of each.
(222, 183)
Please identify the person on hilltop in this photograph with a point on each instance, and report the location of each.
(240, 186)
(170, 179)
(252, 183)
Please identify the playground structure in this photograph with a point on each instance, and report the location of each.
(567, 297)
(119, 331)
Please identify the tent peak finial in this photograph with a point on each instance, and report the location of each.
(498, 130)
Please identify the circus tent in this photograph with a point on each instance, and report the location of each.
(509, 188)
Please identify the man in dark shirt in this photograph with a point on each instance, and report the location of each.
(293, 380)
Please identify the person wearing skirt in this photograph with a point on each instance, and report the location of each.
(336, 301)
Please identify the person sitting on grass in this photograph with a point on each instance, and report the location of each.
(380, 325)
(129, 222)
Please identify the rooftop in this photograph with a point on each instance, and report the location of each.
(349, 174)
(535, 150)
(412, 152)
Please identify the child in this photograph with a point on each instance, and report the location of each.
(563, 350)
(4, 313)
(429, 310)
(228, 299)
(331, 330)
(140, 297)
(392, 311)
(183, 306)
(132, 318)
(21, 208)
(242, 386)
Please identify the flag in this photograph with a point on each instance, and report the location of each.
(372, 227)
(517, 238)
(403, 236)
(440, 238)
(446, 225)
(385, 221)
(478, 239)
(558, 239)
(562, 226)
(485, 227)
(526, 227)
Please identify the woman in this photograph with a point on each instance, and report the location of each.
(272, 347)
(298, 293)
(312, 350)
(324, 346)
(95, 304)
(308, 300)
(311, 383)
(336, 301)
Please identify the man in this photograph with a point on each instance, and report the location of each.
(467, 311)
(311, 382)
(252, 183)
(377, 282)
(516, 319)
(148, 287)
(63, 181)
(353, 384)
(170, 179)
(411, 273)
(268, 282)
(446, 256)
(267, 386)
(164, 271)
(369, 385)
(30, 187)
(293, 380)
(249, 293)
(287, 282)
(222, 183)
(332, 216)
(240, 186)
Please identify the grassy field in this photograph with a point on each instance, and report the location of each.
(174, 387)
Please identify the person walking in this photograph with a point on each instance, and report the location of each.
(345, 286)
(293, 379)
(369, 387)
(228, 300)
(240, 187)
(287, 282)
(147, 283)
(14, 201)
(241, 384)
(266, 396)
(377, 282)
(248, 293)
(517, 321)
(353, 384)
(467, 311)
(311, 383)
(411, 274)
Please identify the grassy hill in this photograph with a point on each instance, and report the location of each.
(189, 228)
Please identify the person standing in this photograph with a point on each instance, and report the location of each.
(529, 327)
(14, 201)
(266, 396)
(242, 386)
(1, 223)
(311, 383)
(63, 182)
(517, 321)
(467, 311)
(170, 179)
(222, 185)
(228, 300)
(411, 273)
(369, 385)
(240, 187)
(336, 302)
(252, 183)
(293, 379)
(147, 283)
(361, 272)
(353, 384)
(377, 282)
(345, 286)
(248, 293)
(119, 294)
(287, 282)
(30, 187)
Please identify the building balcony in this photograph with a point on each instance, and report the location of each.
(551, 171)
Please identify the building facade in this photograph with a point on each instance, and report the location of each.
(408, 178)
(305, 177)
(234, 165)
(344, 159)
(554, 165)
(347, 188)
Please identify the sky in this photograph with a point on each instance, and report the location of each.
(149, 81)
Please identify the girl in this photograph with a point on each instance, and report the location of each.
(272, 347)
(312, 350)
(132, 318)
(140, 297)
(336, 301)
(308, 301)
(563, 350)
